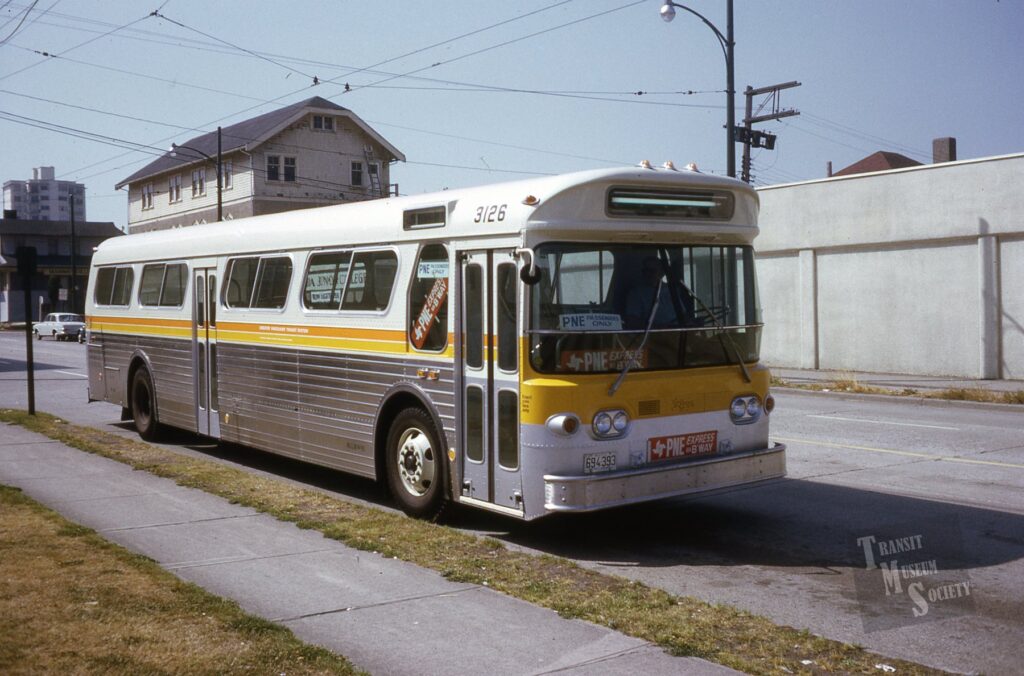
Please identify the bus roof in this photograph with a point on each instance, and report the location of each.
(555, 203)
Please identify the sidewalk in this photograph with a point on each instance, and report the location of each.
(386, 616)
(895, 381)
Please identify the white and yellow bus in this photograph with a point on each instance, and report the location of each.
(558, 344)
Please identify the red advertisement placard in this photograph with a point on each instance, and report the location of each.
(681, 446)
(432, 305)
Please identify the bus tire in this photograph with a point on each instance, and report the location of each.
(415, 462)
(144, 405)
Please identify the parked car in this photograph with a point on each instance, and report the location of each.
(60, 326)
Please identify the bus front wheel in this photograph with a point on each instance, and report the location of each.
(416, 466)
(144, 405)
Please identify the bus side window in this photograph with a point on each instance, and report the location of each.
(370, 280)
(241, 280)
(428, 300)
(325, 280)
(275, 276)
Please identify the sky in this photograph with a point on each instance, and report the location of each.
(482, 92)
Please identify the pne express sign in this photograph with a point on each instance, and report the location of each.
(660, 449)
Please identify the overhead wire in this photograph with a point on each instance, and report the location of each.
(20, 23)
(395, 76)
(78, 46)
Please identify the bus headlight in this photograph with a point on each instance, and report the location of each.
(610, 424)
(564, 424)
(754, 408)
(745, 410)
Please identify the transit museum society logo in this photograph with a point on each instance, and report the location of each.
(910, 572)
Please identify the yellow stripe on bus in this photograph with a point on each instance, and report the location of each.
(381, 341)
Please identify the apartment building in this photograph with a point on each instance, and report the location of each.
(44, 198)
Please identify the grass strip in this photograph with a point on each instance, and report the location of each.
(850, 384)
(71, 602)
(682, 625)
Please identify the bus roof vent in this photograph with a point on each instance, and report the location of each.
(426, 217)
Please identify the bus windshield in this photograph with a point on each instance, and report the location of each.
(599, 308)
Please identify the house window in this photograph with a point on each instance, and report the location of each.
(227, 171)
(199, 182)
(323, 123)
(289, 169)
(147, 196)
(357, 173)
(174, 189)
(273, 167)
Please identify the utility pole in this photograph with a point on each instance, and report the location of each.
(74, 256)
(761, 139)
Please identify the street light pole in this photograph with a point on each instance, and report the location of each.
(668, 12)
(220, 193)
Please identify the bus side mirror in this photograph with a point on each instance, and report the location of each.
(529, 277)
(529, 273)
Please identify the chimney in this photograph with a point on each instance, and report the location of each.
(828, 168)
(944, 150)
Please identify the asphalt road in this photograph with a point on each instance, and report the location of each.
(932, 489)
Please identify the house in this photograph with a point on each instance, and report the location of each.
(883, 160)
(52, 241)
(309, 154)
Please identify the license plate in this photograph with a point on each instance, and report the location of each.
(681, 446)
(594, 463)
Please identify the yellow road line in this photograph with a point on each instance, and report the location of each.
(910, 454)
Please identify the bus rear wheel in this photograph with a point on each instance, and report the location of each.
(416, 468)
(144, 405)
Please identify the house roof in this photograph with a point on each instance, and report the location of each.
(251, 133)
(880, 161)
(18, 226)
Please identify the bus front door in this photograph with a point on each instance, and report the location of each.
(488, 352)
(204, 351)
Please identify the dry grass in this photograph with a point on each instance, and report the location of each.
(71, 602)
(682, 625)
(848, 383)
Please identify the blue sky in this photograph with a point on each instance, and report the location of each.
(876, 75)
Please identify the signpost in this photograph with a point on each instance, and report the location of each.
(27, 269)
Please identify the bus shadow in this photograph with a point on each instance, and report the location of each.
(277, 467)
(789, 523)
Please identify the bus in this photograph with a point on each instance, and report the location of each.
(560, 344)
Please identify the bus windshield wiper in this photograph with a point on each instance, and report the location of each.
(721, 328)
(647, 332)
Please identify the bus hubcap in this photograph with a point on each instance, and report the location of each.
(415, 462)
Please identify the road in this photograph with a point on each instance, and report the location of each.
(934, 487)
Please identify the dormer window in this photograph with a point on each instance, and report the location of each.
(323, 123)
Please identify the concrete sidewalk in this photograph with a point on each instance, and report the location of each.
(386, 616)
(895, 381)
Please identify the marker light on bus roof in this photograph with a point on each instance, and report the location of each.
(645, 164)
(670, 165)
(692, 166)
(531, 200)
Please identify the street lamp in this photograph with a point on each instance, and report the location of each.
(668, 12)
(220, 200)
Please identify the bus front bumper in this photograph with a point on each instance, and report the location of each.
(598, 491)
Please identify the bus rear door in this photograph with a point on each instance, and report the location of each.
(204, 350)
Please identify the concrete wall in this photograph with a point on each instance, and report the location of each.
(916, 270)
